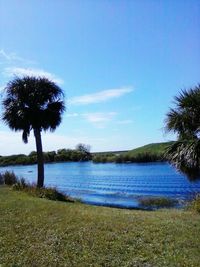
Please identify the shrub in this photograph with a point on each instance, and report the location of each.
(50, 193)
(9, 178)
(21, 184)
(44, 192)
(1, 179)
(195, 204)
(157, 202)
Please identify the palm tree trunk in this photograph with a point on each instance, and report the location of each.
(40, 159)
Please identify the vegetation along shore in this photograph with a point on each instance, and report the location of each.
(148, 153)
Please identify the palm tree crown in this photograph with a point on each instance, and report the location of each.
(184, 120)
(33, 103)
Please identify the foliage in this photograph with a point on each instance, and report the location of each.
(157, 202)
(184, 120)
(38, 232)
(8, 178)
(20, 184)
(103, 158)
(184, 155)
(138, 158)
(72, 155)
(148, 153)
(157, 149)
(83, 148)
(17, 160)
(1, 179)
(50, 193)
(32, 103)
(195, 204)
(52, 156)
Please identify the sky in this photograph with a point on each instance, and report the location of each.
(119, 63)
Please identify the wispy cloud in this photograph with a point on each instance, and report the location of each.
(12, 57)
(10, 71)
(14, 65)
(72, 115)
(101, 96)
(99, 119)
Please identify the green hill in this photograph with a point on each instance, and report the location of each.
(153, 149)
(148, 153)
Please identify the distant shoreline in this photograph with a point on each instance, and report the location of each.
(149, 153)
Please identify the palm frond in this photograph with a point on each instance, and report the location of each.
(32, 102)
(185, 157)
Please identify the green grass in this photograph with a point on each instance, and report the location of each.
(195, 204)
(148, 153)
(155, 149)
(40, 232)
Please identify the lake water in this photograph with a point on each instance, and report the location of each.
(112, 184)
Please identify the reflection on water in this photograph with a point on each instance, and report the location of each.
(112, 184)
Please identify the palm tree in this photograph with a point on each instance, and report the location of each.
(184, 120)
(33, 103)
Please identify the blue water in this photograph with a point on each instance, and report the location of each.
(111, 184)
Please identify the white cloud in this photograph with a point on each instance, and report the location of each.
(9, 56)
(12, 57)
(101, 96)
(99, 119)
(10, 71)
(72, 115)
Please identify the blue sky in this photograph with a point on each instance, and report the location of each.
(119, 63)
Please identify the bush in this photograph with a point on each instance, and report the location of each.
(157, 202)
(21, 184)
(1, 179)
(195, 204)
(9, 178)
(49, 193)
(44, 192)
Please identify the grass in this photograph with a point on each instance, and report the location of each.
(195, 204)
(40, 232)
(50, 193)
(152, 149)
(149, 153)
(20, 184)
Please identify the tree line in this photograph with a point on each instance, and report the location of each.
(80, 153)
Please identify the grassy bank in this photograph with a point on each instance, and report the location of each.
(148, 153)
(40, 232)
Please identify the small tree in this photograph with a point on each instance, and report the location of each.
(84, 150)
(36, 104)
(184, 120)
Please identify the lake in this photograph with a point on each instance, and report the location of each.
(111, 184)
